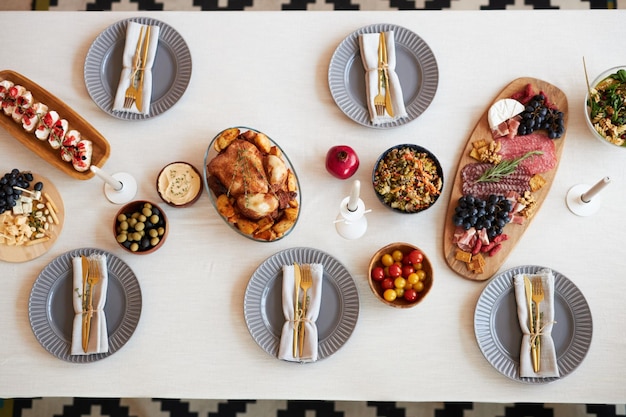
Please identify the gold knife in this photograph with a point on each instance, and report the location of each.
(85, 332)
(388, 105)
(136, 58)
(296, 328)
(144, 57)
(528, 287)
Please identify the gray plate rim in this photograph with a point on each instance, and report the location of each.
(349, 48)
(40, 312)
(487, 335)
(99, 50)
(255, 312)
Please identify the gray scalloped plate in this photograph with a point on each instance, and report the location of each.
(416, 67)
(499, 336)
(339, 310)
(51, 312)
(171, 70)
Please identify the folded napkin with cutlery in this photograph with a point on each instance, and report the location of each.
(98, 336)
(133, 43)
(369, 44)
(543, 329)
(309, 326)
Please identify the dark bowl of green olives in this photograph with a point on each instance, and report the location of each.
(140, 227)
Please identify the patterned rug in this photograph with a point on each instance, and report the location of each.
(128, 407)
(277, 5)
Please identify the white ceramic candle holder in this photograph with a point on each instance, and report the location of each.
(351, 224)
(119, 188)
(583, 200)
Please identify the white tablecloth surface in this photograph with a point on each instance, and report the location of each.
(269, 71)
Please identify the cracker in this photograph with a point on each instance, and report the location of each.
(463, 256)
(536, 182)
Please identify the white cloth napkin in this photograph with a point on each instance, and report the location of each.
(549, 366)
(133, 30)
(369, 54)
(309, 350)
(99, 338)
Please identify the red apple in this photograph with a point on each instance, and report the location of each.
(341, 161)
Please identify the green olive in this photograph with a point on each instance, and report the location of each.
(134, 247)
(140, 226)
(146, 211)
(121, 218)
(153, 233)
(123, 225)
(154, 241)
(161, 231)
(121, 238)
(154, 219)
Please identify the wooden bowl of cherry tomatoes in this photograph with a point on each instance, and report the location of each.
(400, 275)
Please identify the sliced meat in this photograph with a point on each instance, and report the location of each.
(518, 181)
(512, 148)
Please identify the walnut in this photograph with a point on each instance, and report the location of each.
(529, 203)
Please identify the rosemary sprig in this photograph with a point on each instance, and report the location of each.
(504, 168)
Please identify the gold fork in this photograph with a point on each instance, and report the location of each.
(131, 91)
(92, 280)
(305, 284)
(379, 99)
(537, 299)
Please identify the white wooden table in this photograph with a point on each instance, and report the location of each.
(192, 340)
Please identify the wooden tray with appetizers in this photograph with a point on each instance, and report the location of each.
(98, 146)
(504, 174)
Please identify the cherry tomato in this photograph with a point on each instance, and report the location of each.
(387, 284)
(410, 295)
(394, 270)
(386, 259)
(397, 255)
(421, 274)
(419, 286)
(415, 256)
(390, 295)
(399, 282)
(413, 279)
(407, 270)
(378, 273)
(399, 292)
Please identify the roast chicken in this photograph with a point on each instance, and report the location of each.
(257, 182)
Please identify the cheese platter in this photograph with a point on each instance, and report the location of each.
(67, 141)
(47, 213)
(503, 176)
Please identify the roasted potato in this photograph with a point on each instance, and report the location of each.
(225, 139)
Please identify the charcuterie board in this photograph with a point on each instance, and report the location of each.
(534, 158)
(100, 145)
(27, 252)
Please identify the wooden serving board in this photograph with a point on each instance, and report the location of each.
(25, 253)
(101, 147)
(514, 231)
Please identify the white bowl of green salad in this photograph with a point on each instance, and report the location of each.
(605, 107)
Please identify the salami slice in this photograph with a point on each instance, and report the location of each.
(517, 146)
(518, 181)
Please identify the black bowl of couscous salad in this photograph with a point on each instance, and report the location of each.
(407, 178)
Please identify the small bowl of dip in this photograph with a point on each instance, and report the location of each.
(179, 184)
